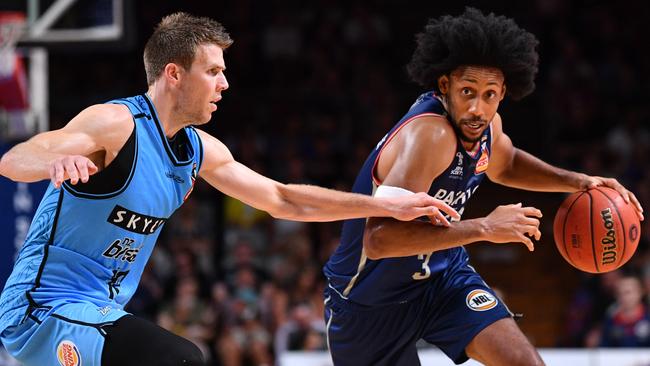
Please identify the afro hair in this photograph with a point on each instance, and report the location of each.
(474, 38)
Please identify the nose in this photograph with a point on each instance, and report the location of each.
(476, 108)
(222, 82)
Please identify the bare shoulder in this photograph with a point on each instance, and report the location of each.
(429, 132)
(418, 152)
(104, 117)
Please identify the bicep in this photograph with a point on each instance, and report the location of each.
(234, 179)
(420, 155)
(99, 127)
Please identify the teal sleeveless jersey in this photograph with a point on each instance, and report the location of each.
(90, 242)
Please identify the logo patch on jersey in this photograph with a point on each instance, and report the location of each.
(482, 164)
(480, 300)
(122, 249)
(68, 354)
(175, 177)
(105, 310)
(134, 222)
(457, 172)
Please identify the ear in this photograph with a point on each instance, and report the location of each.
(172, 73)
(503, 92)
(443, 84)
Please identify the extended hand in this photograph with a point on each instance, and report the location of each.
(407, 208)
(593, 182)
(73, 167)
(512, 224)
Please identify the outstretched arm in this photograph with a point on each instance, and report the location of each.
(303, 202)
(74, 152)
(516, 168)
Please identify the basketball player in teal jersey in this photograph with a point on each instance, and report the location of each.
(392, 283)
(118, 171)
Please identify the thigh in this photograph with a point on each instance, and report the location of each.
(379, 337)
(55, 340)
(459, 310)
(503, 343)
(132, 341)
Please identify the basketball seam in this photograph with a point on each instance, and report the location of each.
(566, 217)
(623, 227)
(591, 223)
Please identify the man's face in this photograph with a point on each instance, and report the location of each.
(473, 94)
(202, 84)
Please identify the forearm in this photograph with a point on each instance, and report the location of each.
(530, 173)
(26, 163)
(312, 203)
(387, 238)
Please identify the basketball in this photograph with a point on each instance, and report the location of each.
(596, 231)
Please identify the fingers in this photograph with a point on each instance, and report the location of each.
(57, 174)
(533, 231)
(447, 209)
(86, 169)
(74, 168)
(637, 206)
(529, 243)
(532, 211)
(439, 218)
(71, 169)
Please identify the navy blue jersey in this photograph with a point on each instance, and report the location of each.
(394, 280)
(90, 242)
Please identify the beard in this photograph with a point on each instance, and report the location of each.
(455, 124)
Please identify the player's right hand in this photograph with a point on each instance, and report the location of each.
(513, 224)
(73, 167)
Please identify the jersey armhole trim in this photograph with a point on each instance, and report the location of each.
(70, 189)
(390, 138)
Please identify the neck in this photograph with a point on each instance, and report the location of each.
(164, 103)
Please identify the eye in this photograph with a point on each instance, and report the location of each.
(466, 91)
(491, 94)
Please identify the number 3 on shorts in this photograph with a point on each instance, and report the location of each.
(425, 267)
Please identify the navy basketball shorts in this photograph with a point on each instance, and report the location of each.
(454, 308)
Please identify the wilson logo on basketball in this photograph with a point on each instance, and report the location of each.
(68, 354)
(609, 241)
(481, 300)
(634, 232)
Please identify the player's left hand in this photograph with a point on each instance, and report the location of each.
(594, 181)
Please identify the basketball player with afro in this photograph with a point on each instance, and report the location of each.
(393, 283)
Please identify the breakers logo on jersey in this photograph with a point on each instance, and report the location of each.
(122, 250)
(68, 354)
(482, 164)
(480, 300)
(134, 222)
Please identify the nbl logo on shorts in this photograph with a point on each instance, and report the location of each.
(481, 300)
(68, 354)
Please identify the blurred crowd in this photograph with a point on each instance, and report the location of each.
(313, 89)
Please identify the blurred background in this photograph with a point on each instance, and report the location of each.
(313, 87)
